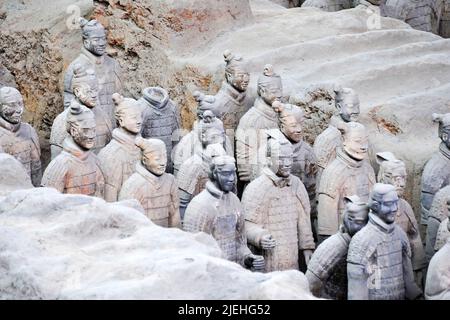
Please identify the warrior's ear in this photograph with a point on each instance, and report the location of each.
(342, 127)
(385, 156)
(437, 117)
(117, 98)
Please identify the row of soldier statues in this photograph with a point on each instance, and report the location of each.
(246, 176)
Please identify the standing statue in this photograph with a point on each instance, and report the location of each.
(230, 103)
(155, 189)
(277, 212)
(436, 173)
(191, 143)
(442, 235)
(349, 174)
(85, 90)
(379, 256)
(119, 157)
(329, 141)
(328, 5)
(327, 270)
(93, 56)
(17, 138)
(76, 169)
(217, 211)
(393, 171)
(262, 116)
(161, 119)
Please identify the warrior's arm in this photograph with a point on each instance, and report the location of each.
(327, 215)
(243, 250)
(305, 235)
(315, 283)
(174, 209)
(432, 230)
(185, 198)
(253, 211)
(55, 175)
(357, 282)
(68, 93)
(412, 291)
(36, 172)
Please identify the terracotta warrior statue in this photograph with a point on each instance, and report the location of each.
(161, 119)
(393, 171)
(329, 141)
(442, 235)
(349, 174)
(262, 116)
(119, 157)
(328, 5)
(277, 212)
(327, 270)
(191, 142)
(93, 56)
(193, 173)
(217, 211)
(436, 173)
(17, 138)
(76, 169)
(85, 91)
(155, 189)
(379, 256)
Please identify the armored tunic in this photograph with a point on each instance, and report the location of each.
(328, 5)
(75, 171)
(327, 269)
(342, 178)
(437, 285)
(21, 141)
(250, 136)
(103, 131)
(193, 175)
(442, 235)
(280, 207)
(435, 176)
(108, 75)
(157, 195)
(220, 215)
(444, 26)
(379, 263)
(118, 160)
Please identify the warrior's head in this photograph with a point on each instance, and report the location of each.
(211, 130)
(356, 140)
(11, 105)
(383, 202)
(236, 72)
(154, 155)
(128, 113)
(347, 104)
(81, 125)
(392, 171)
(269, 85)
(279, 156)
(444, 127)
(356, 214)
(204, 103)
(291, 119)
(223, 172)
(85, 85)
(94, 36)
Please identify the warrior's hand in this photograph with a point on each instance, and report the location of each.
(267, 242)
(256, 263)
(307, 254)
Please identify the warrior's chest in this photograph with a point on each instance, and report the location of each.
(16, 145)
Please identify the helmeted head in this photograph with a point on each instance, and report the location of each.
(81, 125)
(85, 85)
(154, 155)
(204, 103)
(392, 171)
(223, 172)
(347, 104)
(290, 120)
(279, 156)
(269, 86)
(356, 214)
(383, 202)
(211, 130)
(236, 72)
(11, 105)
(444, 127)
(356, 140)
(94, 36)
(128, 113)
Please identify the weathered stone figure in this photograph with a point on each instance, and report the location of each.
(119, 157)
(436, 173)
(93, 56)
(155, 189)
(252, 126)
(193, 173)
(161, 119)
(329, 141)
(218, 211)
(17, 138)
(349, 174)
(76, 169)
(327, 270)
(442, 235)
(85, 89)
(393, 171)
(328, 5)
(277, 212)
(379, 256)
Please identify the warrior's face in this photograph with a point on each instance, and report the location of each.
(397, 178)
(355, 217)
(238, 79)
(386, 206)
(83, 133)
(271, 92)
(212, 136)
(96, 42)
(281, 160)
(11, 107)
(87, 94)
(349, 108)
(156, 161)
(292, 128)
(131, 120)
(225, 176)
(445, 136)
(356, 143)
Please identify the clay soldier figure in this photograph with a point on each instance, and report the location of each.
(393, 171)
(93, 56)
(17, 138)
(119, 157)
(217, 211)
(85, 89)
(277, 212)
(328, 5)
(76, 169)
(230, 103)
(155, 189)
(161, 118)
(436, 173)
(327, 270)
(191, 142)
(327, 143)
(193, 173)
(379, 256)
(252, 126)
(349, 174)
(442, 235)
